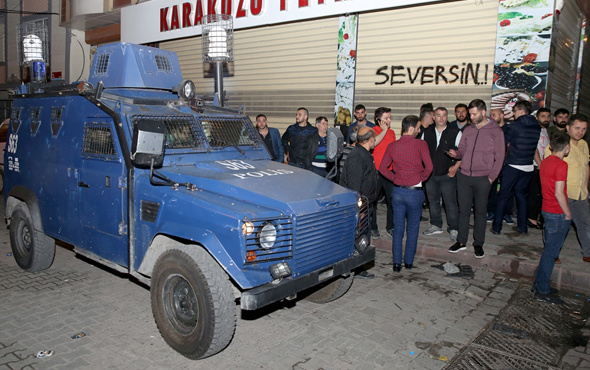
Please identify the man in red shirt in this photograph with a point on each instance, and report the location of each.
(410, 163)
(556, 213)
(384, 136)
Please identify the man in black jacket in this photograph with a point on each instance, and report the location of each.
(295, 138)
(359, 173)
(441, 137)
(521, 140)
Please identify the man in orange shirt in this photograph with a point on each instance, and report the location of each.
(385, 136)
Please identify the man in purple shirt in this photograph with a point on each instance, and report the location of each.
(481, 151)
(411, 165)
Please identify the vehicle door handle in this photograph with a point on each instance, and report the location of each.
(82, 184)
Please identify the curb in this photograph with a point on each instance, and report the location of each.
(562, 277)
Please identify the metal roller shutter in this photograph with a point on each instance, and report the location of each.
(445, 34)
(584, 92)
(277, 69)
(563, 68)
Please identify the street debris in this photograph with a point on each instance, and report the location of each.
(79, 335)
(511, 331)
(9, 254)
(397, 305)
(43, 354)
(457, 270)
(450, 268)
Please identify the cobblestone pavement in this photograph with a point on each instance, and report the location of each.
(403, 321)
(419, 319)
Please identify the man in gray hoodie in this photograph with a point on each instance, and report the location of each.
(481, 151)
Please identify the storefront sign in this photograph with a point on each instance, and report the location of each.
(461, 74)
(159, 20)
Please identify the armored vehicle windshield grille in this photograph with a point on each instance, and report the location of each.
(163, 63)
(222, 132)
(180, 131)
(283, 246)
(324, 238)
(102, 64)
(98, 141)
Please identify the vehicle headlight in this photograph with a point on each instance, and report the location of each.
(247, 228)
(186, 90)
(360, 202)
(267, 236)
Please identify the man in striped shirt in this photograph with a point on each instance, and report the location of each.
(315, 158)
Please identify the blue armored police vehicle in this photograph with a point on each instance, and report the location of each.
(179, 192)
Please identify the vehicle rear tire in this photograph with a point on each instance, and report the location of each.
(193, 304)
(32, 250)
(332, 290)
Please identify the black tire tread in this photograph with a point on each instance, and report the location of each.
(43, 249)
(221, 294)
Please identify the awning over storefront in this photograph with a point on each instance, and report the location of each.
(160, 20)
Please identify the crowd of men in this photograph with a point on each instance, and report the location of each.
(477, 164)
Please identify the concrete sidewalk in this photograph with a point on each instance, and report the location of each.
(508, 253)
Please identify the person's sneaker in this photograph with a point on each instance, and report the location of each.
(433, 230)
(490, 217)
(457, 247)
(375, 234)
(365, 275)
(548, 298)
(390, 233)
(453, 235)
(508, 220)
(478, 250)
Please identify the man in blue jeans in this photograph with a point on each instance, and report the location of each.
(411, 165)
(556, 212)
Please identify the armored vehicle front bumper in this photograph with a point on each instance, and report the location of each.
(272, 292)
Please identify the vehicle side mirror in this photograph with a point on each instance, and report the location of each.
(149, 138)
(334, 144)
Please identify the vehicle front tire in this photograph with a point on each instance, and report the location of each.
(32, 250)
(332, 290)
(193, 303)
